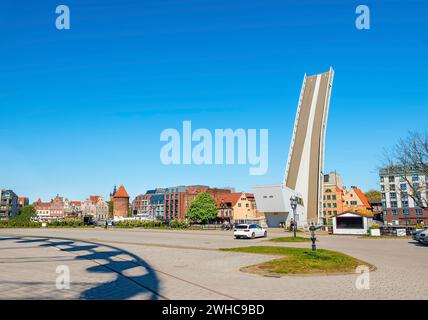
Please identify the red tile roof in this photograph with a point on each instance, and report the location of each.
(121, 193)
(233, 198)
(362, 197)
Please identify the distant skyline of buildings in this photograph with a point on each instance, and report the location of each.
(397, 206)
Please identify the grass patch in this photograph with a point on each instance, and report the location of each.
(301, 261)
(384, 237)
(290, 239)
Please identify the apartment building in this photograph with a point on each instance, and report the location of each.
(9, 205)
(404, 196)
(172, 202)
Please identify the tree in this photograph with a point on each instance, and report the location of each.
(407, 157)
(203, 208)
(373, 196)
(110, 208)
(27, 212)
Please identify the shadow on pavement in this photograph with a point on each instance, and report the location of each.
(133, 276)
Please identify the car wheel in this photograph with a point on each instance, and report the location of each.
(253, 235)
(265, 235)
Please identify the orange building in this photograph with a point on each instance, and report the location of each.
(337, 199)
(120, 203)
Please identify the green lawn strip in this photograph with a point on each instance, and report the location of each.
(301, 260)
(290, 239)
(384, 237)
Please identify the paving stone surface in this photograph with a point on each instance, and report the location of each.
(167, 264)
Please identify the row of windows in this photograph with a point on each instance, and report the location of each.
(414, 177)
(330, 197)
(405, 212)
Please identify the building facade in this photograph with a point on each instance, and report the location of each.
(9, 205)
(53, 210)
(404, 197)
(23, 201)
(120, 203)
(236, 207)
(96, 207)
(337, 199)
(172, 202)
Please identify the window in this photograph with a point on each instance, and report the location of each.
(415, 177)
(419, 212)
(392, 187)
(393, 204)
(394, 212)
(382, 188)
(328, 197)
(382, 179)
(405, 212)
(393, 195)
(329, 205)
(416, 186)
(334, 205)
(404, 203)
(403, 186)
(323, 205)
(383, 195)
(353, 203)
(335, 212)
(333, 197)
(391, 178)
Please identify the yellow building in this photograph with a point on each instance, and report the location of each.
(236, 206)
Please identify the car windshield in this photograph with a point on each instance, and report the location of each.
(241, 226)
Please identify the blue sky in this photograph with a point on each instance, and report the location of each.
(82, 109)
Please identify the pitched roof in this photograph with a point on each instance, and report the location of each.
(233, 198)
(94, 199)
(362, 197)
(121, 192)
(363, 214)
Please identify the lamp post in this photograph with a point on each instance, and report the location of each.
(293, 203)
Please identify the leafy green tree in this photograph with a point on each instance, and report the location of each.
(202, 208)
(27, 212)
(110, 208)
(373, 196)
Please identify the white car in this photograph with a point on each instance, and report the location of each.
(249, 231)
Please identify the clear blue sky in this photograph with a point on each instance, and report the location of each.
(83, 109)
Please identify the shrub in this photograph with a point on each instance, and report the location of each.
(69, 222)
(178, 224)
(375, 226)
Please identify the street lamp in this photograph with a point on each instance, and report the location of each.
(293, 203)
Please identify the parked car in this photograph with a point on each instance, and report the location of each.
(249, 231)
(416, 234)
(423, 237)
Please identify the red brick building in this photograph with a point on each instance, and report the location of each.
(120, 202)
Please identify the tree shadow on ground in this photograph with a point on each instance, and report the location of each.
(132, 275)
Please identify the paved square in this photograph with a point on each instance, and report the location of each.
(167, 264)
